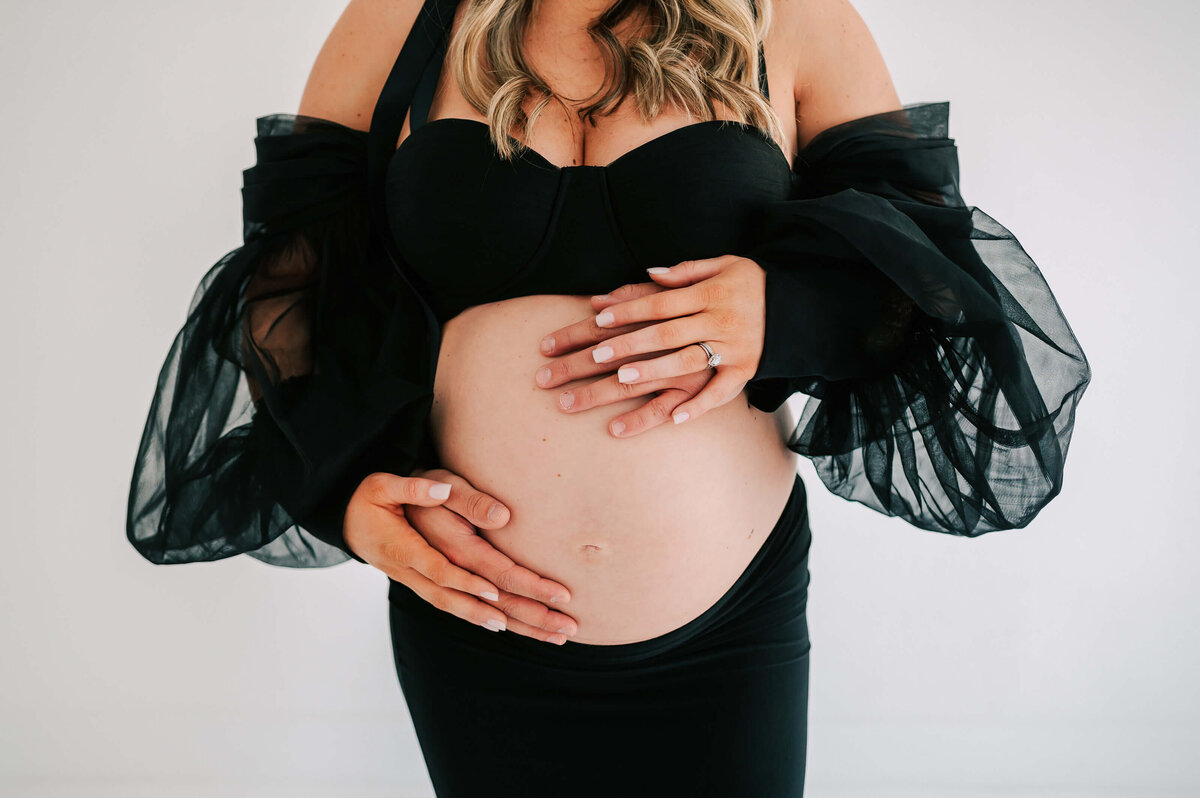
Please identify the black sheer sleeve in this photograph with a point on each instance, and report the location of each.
(942, 375)
(301, 368)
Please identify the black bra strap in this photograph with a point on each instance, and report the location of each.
(423, 99)
(387, 119)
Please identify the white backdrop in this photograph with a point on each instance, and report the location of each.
(1056, 660)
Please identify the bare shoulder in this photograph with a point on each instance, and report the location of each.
(354, 62)
(840, 72)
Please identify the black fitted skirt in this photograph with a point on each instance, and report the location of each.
(717, 707)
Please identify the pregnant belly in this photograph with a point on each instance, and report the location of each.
(646, 532)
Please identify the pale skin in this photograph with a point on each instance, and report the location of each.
(825, 68)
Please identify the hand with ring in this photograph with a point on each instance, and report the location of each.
(718, 303)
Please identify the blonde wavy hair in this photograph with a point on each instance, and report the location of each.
(696, 52)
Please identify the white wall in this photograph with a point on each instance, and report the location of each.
(1055, 660)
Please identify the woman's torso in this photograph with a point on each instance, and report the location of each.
(646, 531)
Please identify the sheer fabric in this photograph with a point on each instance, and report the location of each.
(942, 375)
(301, 368)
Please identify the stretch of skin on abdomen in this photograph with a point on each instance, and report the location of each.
(646, 532)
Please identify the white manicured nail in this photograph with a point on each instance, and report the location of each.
(680, 417)
(489, 595)
(604, 318)
(439, 490)
(627, 374)
(658, 269)
(495, 626)
(617, 427)
(601, 354)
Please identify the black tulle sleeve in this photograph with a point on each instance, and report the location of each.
(941, 373)
(300, 369)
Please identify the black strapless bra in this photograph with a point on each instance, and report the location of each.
(476, 228)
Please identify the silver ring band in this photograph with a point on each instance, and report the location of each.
(713, 358)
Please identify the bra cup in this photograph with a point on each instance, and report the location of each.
(463, 218)
(696, 201)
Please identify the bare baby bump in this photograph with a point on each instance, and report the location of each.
(646, 532)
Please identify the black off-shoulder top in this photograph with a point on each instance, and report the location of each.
(941, 376)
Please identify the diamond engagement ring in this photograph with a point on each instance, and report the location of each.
(713, 358)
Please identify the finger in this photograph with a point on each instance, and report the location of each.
(516, 626)
(724, 386)
(477, 507)
(609, 390)
(393, 490)
(665, 336)
(651, 414)
(481, 557)
(668, 304)
(578, 365)
(453, 601)
(408, 549)
(686, 360)
(689, 271)
(536, 615)
(458, 540)
(627, 291)
(577, 335)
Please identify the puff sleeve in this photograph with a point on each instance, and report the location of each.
(941, 373)
(302, 366)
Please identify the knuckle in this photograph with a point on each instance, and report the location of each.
(668, 335)
(726, 319)
(507, 580)
(658, 410)
(629, 389)
(376, 485)
(397, 553)
(477, 506)
(658, 304)
(437, 572)
(715, 292)
(439, 598)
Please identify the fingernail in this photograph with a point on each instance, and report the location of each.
(604, 318)
(602, 297)
(658, 269)
(680, 417)
(559, 599)
(564, 631)
(439, 490)
(618, 428)
(543, 375)
(495, 512)
(495, 626)
(489, 595)
(566, 399)
(601, 354)
(627, 374)
(558, 641)
(548, 344)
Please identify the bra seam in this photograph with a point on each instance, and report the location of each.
(560, 192)
(613, 224)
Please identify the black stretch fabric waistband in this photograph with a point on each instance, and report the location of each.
(779, 558)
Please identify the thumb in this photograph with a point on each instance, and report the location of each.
(686, 272)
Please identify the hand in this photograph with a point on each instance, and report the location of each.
(430, 545)
(721, 301)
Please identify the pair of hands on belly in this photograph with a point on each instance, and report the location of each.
(429, 542)
(721, 301)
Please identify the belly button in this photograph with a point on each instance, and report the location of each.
(589, 549)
